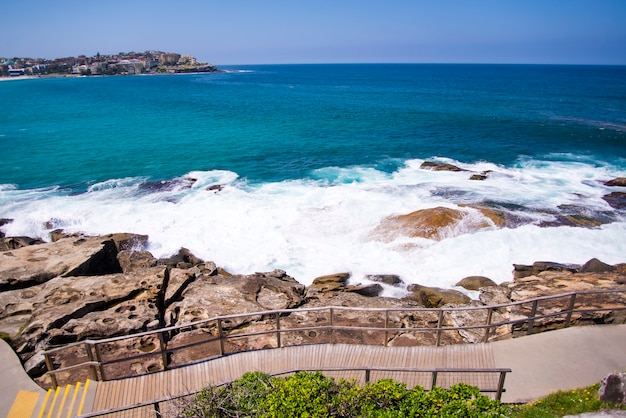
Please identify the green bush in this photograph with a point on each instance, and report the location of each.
(308, 394)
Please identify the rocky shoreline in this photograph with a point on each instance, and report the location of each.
(80, 287)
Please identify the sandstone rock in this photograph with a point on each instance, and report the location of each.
(330, 283)
(435, 223)
(35, 264)
(183, 259)
(65, 309)
(390, 279)
(478, 317)
(596, 266)
(13, 243)
(178, 280)
(616, 182)
(211, 296)
(479, 177)
(617, 200)
(434, 297)
(475, 282)
(128, 241)
(371, 290)
(437, 166)
(520, 271)
(135, 260)
(495, 295)
(613, 388)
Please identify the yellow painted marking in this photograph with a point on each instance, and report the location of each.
(54, 401)
(45, 402)
(71, 408)
(67, 390)
(24, 404)
(82, 400)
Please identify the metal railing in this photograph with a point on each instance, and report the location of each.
(156, 405)
(388, 322)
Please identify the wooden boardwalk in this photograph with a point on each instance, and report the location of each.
(118, 393)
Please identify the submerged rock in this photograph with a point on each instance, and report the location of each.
(434, 297)
(617, 200)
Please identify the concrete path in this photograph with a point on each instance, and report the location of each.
(13, 378)
(560, 360)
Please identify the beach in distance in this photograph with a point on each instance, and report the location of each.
(430, 172)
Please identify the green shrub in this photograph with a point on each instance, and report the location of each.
(308, 394)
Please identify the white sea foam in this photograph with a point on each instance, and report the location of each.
(324, 224)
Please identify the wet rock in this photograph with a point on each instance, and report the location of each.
(434, 297)
(128, 241)
(520, 271)
(330, 283)
(437, 166)
(79, 256)
(617, 200)
(475, 282)
(371, 290)
(183, 259)
(596, 266)
(390, 279)
(4, 221)
(616, 182)
(435, 223)
(13, 243)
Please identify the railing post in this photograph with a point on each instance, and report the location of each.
(332, 327)
(367, 375)
(219, 334)
(278, 342)
(53, 377)
(163, 350)
(99, 360)
(92, 368)
(488, 324)
(386, 327)
(570, 308)
(500, 386)
(439, 324)
(433, 384)
(531, 319)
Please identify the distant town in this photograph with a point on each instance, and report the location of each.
(124, 63)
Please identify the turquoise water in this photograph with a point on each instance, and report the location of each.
(106, 154)
(282, 122)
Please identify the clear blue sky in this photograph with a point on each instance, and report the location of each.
(323, 31)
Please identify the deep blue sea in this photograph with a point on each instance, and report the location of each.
(312, 158)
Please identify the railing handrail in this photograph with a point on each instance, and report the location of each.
(499, 390)
(345, 308)
(439, 328)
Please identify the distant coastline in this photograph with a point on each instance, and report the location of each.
(124, 63)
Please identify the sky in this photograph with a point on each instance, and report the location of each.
(323, 31)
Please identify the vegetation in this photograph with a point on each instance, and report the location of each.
(308, 394)
(562, 403)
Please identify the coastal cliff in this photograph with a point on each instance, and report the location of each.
(80, 287)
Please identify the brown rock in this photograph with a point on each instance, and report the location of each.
(617, 182)
(495, 295)
(475, 282)
(436, 166)
(617, 200)
(135, 260)
(65, 309)
(520, 271)
(479, 177)
(329, 283)
(13, 243)
(390, 279)
(434, 297)
(425, 223)
(35, 264)
(371, 290)
(596, 266)
(183, 259)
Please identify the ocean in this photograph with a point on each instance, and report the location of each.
(294, 167)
